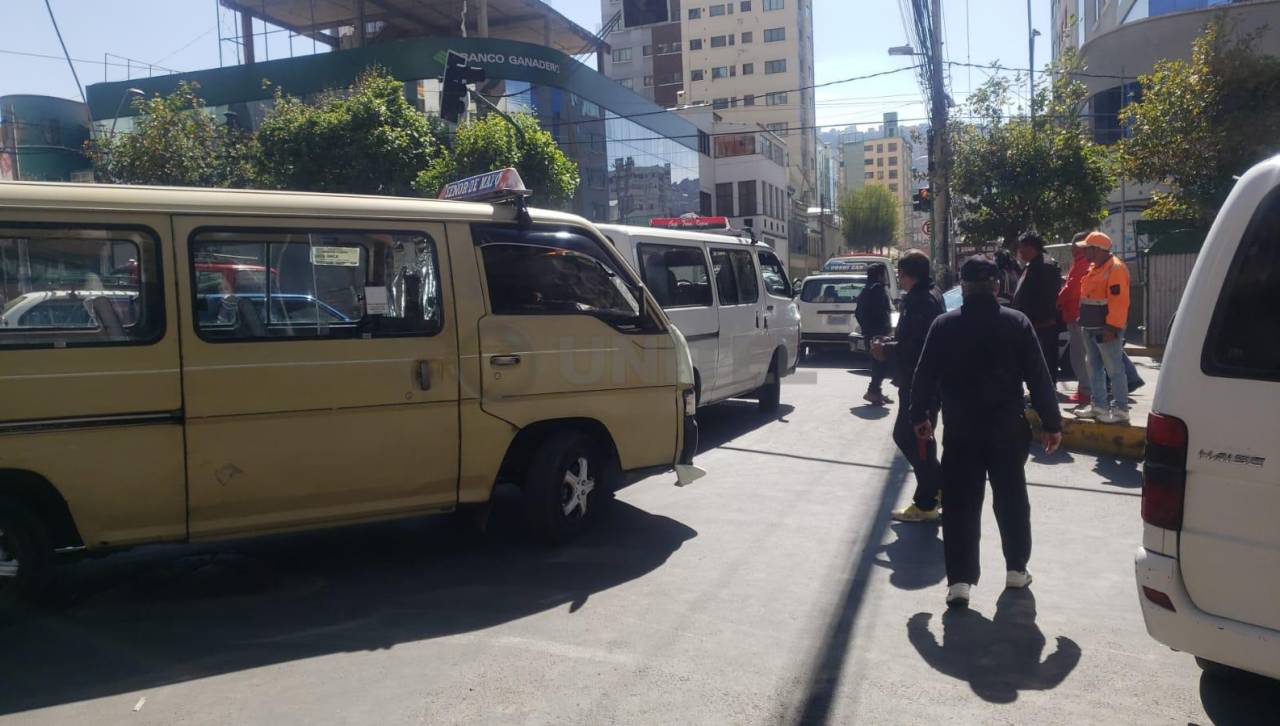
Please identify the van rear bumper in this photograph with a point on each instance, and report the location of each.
(1192, 630)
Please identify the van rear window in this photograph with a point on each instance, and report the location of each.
(1244, 337)
(76, 286)
(832, 290)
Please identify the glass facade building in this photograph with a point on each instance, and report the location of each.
(635, 159)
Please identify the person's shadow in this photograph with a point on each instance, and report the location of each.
(914, 556)
(998, 657)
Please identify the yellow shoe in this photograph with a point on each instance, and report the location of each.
(915, 514)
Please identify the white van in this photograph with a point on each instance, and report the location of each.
(744, 330)
(828, 301)
(1208, 573)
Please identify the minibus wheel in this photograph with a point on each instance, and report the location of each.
(568, 481)
(771, 392)
(24, 553)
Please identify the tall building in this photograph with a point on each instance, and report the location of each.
(42, 139)
(751, 60)
(886, 162)
(1119, 40)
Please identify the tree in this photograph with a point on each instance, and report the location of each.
(174, 142)
(369, 140)
(1200, 123)
(870, 217)
(491, 142)
(1011, 174)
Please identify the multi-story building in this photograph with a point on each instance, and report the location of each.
(751, 60)
(1119, 40)
(646, 53)
(886, 162)
(42, 139)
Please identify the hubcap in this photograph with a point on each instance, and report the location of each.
(577, 486)
(8, 561)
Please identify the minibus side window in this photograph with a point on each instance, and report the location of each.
(677, 276)
(745, 270)
(726, 285)
(64, 286)
(775, 277)
(557, 271)
(276, 284)
(1244, 337)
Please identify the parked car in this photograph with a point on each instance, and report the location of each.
(1208, 571)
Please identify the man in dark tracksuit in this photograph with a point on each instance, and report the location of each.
(978, 357)
(921, 304)
(1037, 296)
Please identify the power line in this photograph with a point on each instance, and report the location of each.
(189, 43)
(62, 43)
(82, 60)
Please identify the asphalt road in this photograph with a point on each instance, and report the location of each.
(772, 591)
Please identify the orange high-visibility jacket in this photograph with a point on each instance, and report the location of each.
(1104, 296)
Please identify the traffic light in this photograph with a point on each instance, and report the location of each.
(453, 86)
(921, 201)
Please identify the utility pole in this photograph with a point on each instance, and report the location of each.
(940, 168)
(1031, 65)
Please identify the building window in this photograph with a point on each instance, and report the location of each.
(704, 144)
(747, 37)
(724, 200)
(626, 83)
(775, 66)
(880, 175)
(747, 199)
(722, 71)
(735, 145)
(716, 10)
(695, 44)
(745, 6)
(893, 173)
(648, 81)
(704, 204)
(695, 13)
(879, 148)
(749, 99)
(893, 188)
(777, 128)
(719, 103)
(868, 161)
(893, 146)
(774, 35)
(774, 4)
(622, 55)
(646, 51)
(868, 148)
(695, 75)
(718, 41)
(880, 161)
(869, 175)
(748, 68)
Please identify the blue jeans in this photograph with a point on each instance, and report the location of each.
(1106, 361)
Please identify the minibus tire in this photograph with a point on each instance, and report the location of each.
(771, 392)
(26, 538)
(547, 489)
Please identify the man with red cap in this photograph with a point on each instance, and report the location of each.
(1104, 313)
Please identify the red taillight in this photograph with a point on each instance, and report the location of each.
(1158, 598)
(1164, 472)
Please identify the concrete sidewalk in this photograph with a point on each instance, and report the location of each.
(1125, 441)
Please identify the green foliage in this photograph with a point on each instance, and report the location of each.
(174, 142)
(490, 142)
(369, 140)
(1011, 174)
(1201, 122)
(869, 216)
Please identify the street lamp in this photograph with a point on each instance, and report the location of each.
(116, 118)
(903, 50)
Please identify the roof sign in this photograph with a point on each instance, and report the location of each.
(690, 221)
(490, 186)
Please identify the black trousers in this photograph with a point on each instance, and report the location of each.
(928, 470)
(968, 460)
(1048, 337)
(879, 369)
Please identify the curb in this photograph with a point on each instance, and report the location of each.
(1142, 351)
(1091, 437)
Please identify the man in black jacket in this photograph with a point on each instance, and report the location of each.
(921, 304)
(978, 358)
(1037, 296)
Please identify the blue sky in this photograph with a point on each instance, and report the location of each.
(852, 37)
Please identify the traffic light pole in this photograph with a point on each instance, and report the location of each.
(940, 169)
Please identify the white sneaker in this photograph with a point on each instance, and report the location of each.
(958, 595)
(1016, 579)
(1114, 415)
(1091, 411)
